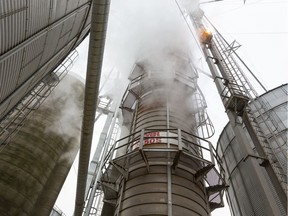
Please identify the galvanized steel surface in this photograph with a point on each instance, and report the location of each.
(243, 195)
(161, 169)
(35, 36)
(35, 164)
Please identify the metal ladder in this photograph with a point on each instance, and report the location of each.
(16, 118)
(97, 198)
(11, 124)
(238, 81)
(238, 84)
(265, 149)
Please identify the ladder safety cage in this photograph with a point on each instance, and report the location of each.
(238, 95)
(14, 120)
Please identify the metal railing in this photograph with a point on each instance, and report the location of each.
(175, 143)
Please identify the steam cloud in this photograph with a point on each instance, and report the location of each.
(67, 103)
(147, 31)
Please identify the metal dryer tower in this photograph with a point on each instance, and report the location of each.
(163, 164)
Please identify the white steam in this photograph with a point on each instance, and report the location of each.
(137, 30)
(67, 103)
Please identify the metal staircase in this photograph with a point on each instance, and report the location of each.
(94, 190)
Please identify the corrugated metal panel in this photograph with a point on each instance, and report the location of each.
(12, 23)
(9, 73)
(50, 65)
(59, 8)
(36, 78)
(65, 32)
(256, 201)
(88, 20)
(28, 164)
(238, 155)
(51, 43)
(241, 193)
(38, 14)
(33, 50)
(248, 197)
(29, 69)
(62, 42)
(54, 61)
(16, 97)
(71, 5)
(57, 58)
(78, 22)
(68, 25)
(81, 2)
(3, 108)
(83, 33)
(15, 79)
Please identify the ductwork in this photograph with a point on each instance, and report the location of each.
(99, 19)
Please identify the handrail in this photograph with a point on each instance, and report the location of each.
(129, 144)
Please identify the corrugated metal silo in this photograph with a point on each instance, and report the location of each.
(270, 110)
(35, 36)
(36, 162)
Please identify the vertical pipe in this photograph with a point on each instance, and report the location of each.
(169, 183)
(99, 19)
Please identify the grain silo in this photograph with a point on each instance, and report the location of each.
(34, 165)
(35, 37)
(244, 195)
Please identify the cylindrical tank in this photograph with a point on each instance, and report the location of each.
(147, 192)
(34, 165)
(161, 163)
(270, 110)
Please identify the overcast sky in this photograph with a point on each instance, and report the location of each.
(259, 26)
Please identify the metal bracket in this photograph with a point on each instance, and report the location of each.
(177, 156)
(216, 188)
(203, 171)
(112, 186)
(264, 160)
(141, 150)
(112, 201)
(216, 60)
(120, 169)
(176, 159)
(232, 47)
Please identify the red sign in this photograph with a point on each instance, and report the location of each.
(152, 137)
